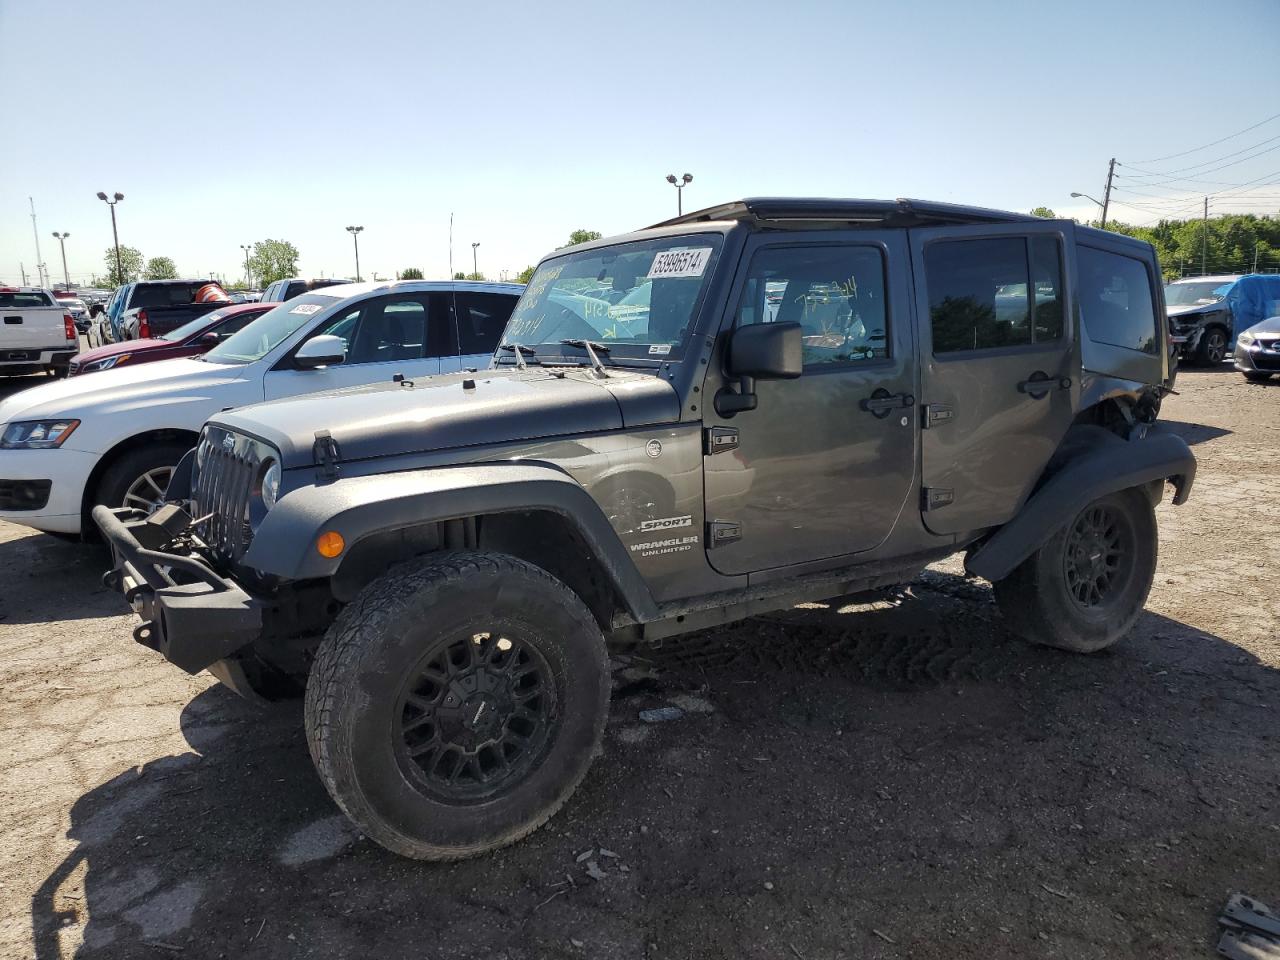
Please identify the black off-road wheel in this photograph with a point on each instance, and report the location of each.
(457, 703)
(1213, 347)
(1083, 590)
(1259, 377)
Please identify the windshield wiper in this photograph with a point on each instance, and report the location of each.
(591, 346)
(519, 351)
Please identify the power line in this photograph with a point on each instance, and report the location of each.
(1215, 169)
(1206, 163)
(1206, 146)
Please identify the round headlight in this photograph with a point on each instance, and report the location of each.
(271, 484)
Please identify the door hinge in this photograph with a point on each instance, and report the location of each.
(722, 532)
(931, 498)
(719, 440)
(936, 414)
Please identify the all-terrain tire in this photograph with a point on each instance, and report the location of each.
(1040, 599)
(129, 468)
(368, 675)
(1258, 377)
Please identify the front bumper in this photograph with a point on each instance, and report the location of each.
(66, 470)
(1256, 358)
(191, 614)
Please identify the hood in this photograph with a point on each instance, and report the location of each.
(115, 349)
(1216, 307)
(439, 413)
(1269, 327)
(117, 391)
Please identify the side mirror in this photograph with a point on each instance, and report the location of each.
(322, 351)
(760, 351)
(211, 337)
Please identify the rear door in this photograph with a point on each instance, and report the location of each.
(29, 320)
(480, 319)
(403, 334)
(999, 354)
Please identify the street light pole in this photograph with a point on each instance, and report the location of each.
(115, 236)
(1087, 197)
(66, 277)
(679, 185)
(355, 236)
(248, 274)
(475, 270)
(42, 272)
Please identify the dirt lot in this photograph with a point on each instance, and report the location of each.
(909, 781)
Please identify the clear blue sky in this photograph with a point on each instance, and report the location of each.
(232, 122)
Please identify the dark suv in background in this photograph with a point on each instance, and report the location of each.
(750, 406)
(283, 290)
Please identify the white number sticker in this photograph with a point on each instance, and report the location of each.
(680, 263)
(306, 309)
(660, 349)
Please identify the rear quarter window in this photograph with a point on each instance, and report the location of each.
(1116, 300)
(17, 301)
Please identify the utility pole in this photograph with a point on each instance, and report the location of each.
(23, 268)
(1106, 194)
(1255, 256)
(1204, 240)
(42, 277)
(66, 277)
(450, 244)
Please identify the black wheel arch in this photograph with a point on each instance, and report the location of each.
(1090, 463)
(150, 437)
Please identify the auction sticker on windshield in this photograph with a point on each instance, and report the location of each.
(306, 309)
(670, 264)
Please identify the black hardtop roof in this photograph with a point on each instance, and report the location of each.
(897, 213)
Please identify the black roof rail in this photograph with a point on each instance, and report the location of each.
(898, 213)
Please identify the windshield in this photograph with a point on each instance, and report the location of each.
(192, 327)
(270, 330)
(1193, 294)
(640, 299)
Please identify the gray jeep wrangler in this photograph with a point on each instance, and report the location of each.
(750, 406)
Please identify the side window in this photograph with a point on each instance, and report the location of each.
(835, 293)
(995, 292)
(481, 319)
(236, 323)
(390, 330)
(343, 325)
(1116, 301)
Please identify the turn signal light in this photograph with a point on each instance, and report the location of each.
(68, 326)
(144, 326)
(330, 543)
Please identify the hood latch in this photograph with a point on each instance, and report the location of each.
(326, 454)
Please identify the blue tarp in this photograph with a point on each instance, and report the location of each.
(1252, 299)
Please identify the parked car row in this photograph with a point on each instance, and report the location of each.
(113, 432)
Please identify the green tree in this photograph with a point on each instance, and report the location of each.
(160, 268)
(410, 273)
(472, 276)
(130, 265)
(459, 275)
(273, 260)
(1044, 212)
(582, 236)
(525, 275)
(1227, 244)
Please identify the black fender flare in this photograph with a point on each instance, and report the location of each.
(1098, 463)
(284, 545)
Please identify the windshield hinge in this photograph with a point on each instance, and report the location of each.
(326, 454)
(719, 440)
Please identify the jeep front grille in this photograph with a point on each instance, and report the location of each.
(227, 470)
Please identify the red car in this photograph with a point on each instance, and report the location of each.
(189, 340)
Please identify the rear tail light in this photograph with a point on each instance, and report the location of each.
(69, 326)
(144, 326)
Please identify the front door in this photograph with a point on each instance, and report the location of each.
(823, 466)
(403, 334)
(999, 356)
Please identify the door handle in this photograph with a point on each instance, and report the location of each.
(882, 401)
(1039, 385)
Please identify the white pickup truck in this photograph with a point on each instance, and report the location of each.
(36, 332)
(115, 437)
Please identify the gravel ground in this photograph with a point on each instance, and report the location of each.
(899, 780)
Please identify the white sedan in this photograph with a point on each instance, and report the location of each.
(116, 436)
